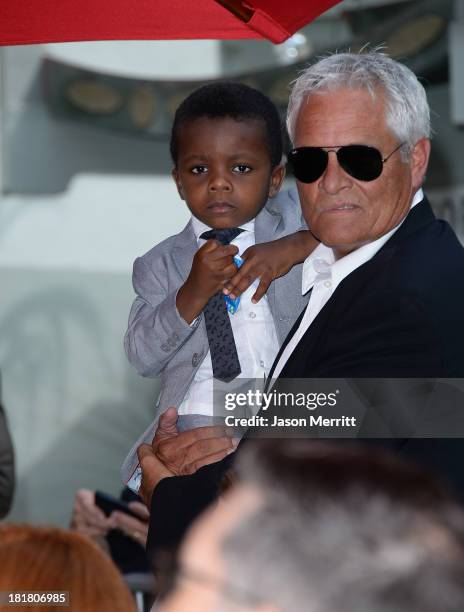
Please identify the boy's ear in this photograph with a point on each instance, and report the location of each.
(277, 176)
(175, 176)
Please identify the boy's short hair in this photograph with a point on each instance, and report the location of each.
(237, 101)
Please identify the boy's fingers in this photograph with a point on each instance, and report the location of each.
(209, 246)
(263, 286)
(240, 281)
(228, 250)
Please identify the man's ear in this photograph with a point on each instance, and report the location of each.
(176, 178)
(277, 176)
(419, 162)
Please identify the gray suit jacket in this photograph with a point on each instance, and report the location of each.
(158, 342)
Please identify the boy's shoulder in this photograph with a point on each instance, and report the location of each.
(163, 248)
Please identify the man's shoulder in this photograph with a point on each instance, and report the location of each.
(427, 261)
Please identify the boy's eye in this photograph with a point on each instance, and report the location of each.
(199, 169)
(242, 168)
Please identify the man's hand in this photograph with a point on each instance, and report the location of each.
(269, 261)
(186, 452)
(180, 454)
(212, 265)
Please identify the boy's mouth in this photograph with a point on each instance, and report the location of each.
(220, 207)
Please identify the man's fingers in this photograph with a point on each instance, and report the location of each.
(193, 467)
(153, 470)
(203, 448)
(144, 451)
(167, 425)
(186, 438)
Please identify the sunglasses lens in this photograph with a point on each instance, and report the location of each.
(361, 162)
(308, 163)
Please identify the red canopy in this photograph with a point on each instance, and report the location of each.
(40, 21)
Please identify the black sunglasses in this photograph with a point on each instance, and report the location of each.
(359, 161)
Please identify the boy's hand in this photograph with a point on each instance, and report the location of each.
(268, 261)
(212, 265)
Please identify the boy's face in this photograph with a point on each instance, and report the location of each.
(224, 170)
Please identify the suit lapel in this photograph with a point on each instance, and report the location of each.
(184, 250)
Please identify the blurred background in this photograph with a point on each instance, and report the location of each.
(85, 188)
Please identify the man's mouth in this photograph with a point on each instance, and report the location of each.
(342, 207)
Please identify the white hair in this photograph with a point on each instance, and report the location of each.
(407, 109)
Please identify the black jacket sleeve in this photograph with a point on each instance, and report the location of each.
(177, 501)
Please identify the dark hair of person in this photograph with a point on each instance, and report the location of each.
(237, 101)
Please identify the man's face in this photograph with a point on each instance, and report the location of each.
(203, 584)
(341, 211)
(224, 170)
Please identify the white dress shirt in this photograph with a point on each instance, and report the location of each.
(322, 273)
(254, 333)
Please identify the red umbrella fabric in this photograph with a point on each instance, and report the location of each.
(43, 21)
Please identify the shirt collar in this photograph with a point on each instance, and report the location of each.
(321, 263)
(199, 227)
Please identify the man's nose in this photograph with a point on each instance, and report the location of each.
(219, 182)
(334, 178)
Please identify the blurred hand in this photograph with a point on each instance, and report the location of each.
(135, 528)
(87, 518)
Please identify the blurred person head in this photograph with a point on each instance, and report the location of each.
(52, 559)
(226, 145)
(321, 528)
(360, 125)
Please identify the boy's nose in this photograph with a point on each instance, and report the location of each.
(219, 182)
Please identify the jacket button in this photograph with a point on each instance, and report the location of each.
(195, 360)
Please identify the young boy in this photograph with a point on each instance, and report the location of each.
(226, 145)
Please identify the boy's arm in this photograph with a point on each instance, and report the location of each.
(155, 330)
(270, 260)
(161, 322)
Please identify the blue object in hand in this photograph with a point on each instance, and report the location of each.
(232, 305)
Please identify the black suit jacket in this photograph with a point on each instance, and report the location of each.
(398, 315)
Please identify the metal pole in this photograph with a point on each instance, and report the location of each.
(2, 121)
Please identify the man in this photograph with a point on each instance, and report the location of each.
(316, 528)
(387, 289)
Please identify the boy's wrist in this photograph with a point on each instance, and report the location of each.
(303, 243)
(190, 303)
